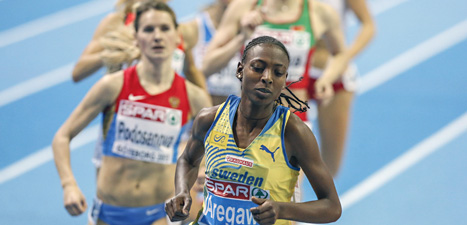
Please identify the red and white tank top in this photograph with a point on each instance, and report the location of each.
(146, 127)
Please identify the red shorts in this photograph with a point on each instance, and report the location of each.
(301, 84)
(311, 87)
(311, 92)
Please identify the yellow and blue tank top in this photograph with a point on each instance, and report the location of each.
(234, 175)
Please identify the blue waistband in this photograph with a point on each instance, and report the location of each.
(116, 215)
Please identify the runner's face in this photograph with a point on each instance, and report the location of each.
(264, 73)
(157, 36)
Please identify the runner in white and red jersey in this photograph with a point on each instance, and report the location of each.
(333, 117)
(144, 108)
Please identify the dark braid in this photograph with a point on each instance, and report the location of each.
(292, 101)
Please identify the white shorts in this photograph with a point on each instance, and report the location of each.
(348, 79)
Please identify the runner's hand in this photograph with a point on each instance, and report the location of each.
(119, 48)
(323, 90)
(178, 207)
(266, 212)
(74, 200)
(250, 21)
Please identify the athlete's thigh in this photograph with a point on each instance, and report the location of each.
(335, 113)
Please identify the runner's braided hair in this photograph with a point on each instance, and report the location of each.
(292, 100)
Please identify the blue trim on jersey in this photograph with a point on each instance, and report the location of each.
(216, 160)
(110, 139)
(232, 167)
(207, 30)
(286, 158)
(234, 103)
(275, 116)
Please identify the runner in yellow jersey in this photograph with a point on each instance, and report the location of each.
(254, 151)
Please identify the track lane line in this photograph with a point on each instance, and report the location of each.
(405, 161)
(45, 155)
(54, 21)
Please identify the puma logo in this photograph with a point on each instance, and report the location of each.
(264, 148)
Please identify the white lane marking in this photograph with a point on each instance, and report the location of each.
(54, 21)
(376, 8)
(405, 161)
(413, 57)
(36, 84)
(44, 155)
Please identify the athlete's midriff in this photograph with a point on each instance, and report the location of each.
(132, 183)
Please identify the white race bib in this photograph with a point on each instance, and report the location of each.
(146, 132)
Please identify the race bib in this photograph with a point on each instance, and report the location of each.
(298, 45)
(146, 132)
(229, 202)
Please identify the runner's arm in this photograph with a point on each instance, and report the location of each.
(335, 43)
(228, 39)
(304, 152)
(198, 97)
(367, 29)
(178, 207)
(90, 60)
(189, 32)
(99, 96)
(193, 73)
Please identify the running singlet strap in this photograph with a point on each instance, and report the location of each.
(146, 127)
